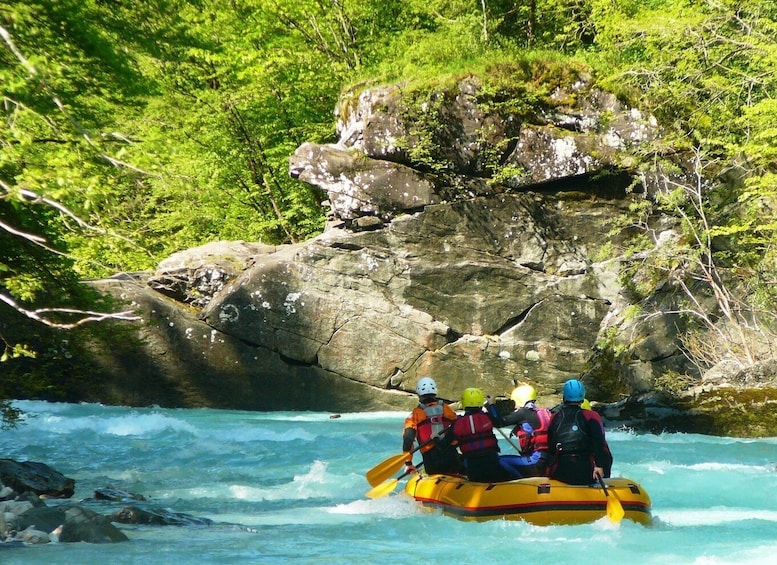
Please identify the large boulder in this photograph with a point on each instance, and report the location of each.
(449, 127)
(176, 360)
(43, 518)
(359, 186)
(194, 275)
(470, 239)
(382, 307)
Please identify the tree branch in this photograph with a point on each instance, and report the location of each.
(39, 315)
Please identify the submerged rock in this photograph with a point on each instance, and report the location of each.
(82, 524)
(157, 516)
(116, 495)
(31, 476)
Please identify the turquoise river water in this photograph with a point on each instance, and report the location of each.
(288, 487)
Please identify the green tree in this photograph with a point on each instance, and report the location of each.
(706, 71)
(133, 129)
(62, 82)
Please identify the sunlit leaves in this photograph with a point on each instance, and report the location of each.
(168, 124)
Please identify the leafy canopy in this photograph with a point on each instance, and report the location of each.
(133, 129)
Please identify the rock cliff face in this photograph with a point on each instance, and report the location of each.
(467, 241)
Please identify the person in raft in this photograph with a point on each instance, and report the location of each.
(530, 427)
(429, 420)
(473, 432)
(578, 448)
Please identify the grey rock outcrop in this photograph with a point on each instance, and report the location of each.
(382, 307)
(194, 275)
(465, 242)
(393, 150)
(43, 518)
(729, 400)
(358, 186)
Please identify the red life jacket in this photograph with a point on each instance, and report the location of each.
(537, 439)
(434, 422)
(475, 434)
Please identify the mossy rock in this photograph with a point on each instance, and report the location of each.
(734, 412)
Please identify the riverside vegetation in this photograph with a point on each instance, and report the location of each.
(138, 129)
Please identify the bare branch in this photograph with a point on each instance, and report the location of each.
(35, 198)
(740, 317)
(29, 236)
(12, 46)
(31, 196)
(39, 315)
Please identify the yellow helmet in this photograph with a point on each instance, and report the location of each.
(523, 394)
(586, 404)
(472, 397)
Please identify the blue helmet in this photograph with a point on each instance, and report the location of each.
(574, 391)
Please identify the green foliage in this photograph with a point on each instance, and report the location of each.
(696, 65)
(214, 98)
(16, 351)
(135, 129)
(706, 71)
(10, 416)
(169, 126)
(606, 341)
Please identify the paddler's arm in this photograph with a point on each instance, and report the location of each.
(599, 448)
(408, 437)
(497, 420)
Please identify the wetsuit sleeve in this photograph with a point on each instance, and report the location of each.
(410, 432)
(493, 413)
(408, 437)
(601, 453)
(508, 420)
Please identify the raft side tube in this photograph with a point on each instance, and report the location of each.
(538, 500)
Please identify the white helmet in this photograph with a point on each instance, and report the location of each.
(426, 386)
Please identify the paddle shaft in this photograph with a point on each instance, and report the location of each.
(504, 435)
(601, 483)
(409, 472)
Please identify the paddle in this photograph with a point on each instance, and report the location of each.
(504, 435)
(385, 469)
(615, 510)
(388, 487)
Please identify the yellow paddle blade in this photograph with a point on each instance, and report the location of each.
(614, 507)
(615, 510)
(383, 489)
(385, 469)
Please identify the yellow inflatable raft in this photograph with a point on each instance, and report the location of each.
(537, 500)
